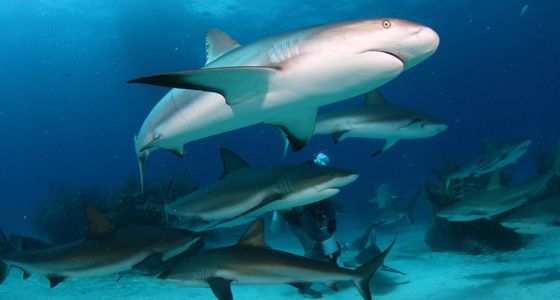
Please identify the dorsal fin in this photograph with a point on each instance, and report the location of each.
(486, 144)
(98, 225)
(375, 97)
(231, 161)
(218, 43)
(254, 235)
(495, 181)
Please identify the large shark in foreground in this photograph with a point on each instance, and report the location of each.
(281, 80)
(539, 217)
(251, 261)
(378, 119)
(497, 199)
(245, 193)
(493, 158)
(105, 251)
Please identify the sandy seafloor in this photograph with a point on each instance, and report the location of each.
(530, 273)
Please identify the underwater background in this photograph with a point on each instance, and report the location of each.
(68, 118)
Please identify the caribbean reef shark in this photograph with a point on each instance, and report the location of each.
(104, 251)
(245, 193)
(251, 261)
(376, 118)
(280, 80)
(392, 213)
(493, 158)
(497, 199)
(539, 217)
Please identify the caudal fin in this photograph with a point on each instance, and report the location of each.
(410, 207)
(365, 272)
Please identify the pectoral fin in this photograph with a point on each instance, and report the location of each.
(221, 288)
(236, 84)
(388, 144)
(151, 262)
(298, 127)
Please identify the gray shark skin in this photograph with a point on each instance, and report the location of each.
(245, 193)
(280, 80)
(104, 251)
(251, 261)
(493, 158)
(393, 213)
(497, 199)
(378, 119)
(383, 196)
(539, 217)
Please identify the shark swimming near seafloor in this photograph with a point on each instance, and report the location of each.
(251, 261)
(247, 192)
(105, 250)
(497, 199)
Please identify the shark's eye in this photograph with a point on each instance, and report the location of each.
(386, 24)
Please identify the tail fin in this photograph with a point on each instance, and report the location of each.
(360, 243)
(5, 247)
(365, 272)
(410, 207)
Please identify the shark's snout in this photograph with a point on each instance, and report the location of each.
(343, 180)
(422, 43)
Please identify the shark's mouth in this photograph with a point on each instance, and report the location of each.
(393, 55)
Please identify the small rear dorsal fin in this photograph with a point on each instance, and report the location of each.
(218, 43)
(495, 181)
(254, 235)
(98, 225)
(231, 162)
(374, 97)
(486, 144)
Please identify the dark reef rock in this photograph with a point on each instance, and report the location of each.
(476, 237)
(61, 219)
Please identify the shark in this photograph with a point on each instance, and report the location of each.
(251, 261)
(246, 192)
(105, 250)
(497, 199)
(376, 118)
(383, 196)
(539, 217)
(367, 249)
(493, 158)
(392, 213)
(280, 80)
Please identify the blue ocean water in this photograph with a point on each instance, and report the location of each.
(68, 117)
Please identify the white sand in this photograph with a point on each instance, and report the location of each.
(530, 273)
